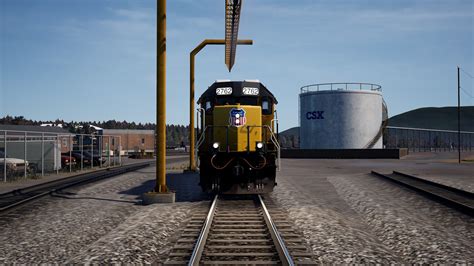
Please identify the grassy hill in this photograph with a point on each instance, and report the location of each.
(427, 117)
(290, 138)
(435, 118)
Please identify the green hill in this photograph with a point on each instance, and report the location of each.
(290, 138)
(435, 118)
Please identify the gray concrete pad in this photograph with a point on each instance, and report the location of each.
(157, 197)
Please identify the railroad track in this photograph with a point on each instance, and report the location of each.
(450, 196)
(18, 197)
(239, 230)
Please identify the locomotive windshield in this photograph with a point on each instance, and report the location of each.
(236, 100)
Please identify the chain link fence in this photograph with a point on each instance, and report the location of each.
(29, 154)
(421, 139)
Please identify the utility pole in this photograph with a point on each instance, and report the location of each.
(459, 117)
(160, 194)
(161, 99)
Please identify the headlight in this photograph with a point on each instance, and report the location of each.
(259, 145)
(215, 145)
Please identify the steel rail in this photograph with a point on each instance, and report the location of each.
(201, 242)
(37, 191)
(453, 189)
(454, 198)
(282, 250)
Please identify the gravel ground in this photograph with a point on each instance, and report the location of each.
(102, 222)
(348, 216)
(143, 238)
(335, 233)
(418, 229)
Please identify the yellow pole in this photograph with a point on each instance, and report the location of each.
(161, 98)
(194, 52)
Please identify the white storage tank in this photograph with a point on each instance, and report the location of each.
(341, 116)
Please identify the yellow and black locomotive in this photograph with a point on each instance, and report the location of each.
(237, 148)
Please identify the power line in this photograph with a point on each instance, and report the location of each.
(465, 72)
(468, 93)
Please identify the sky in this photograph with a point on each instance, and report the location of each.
(91, 60)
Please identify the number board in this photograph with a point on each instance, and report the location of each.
(224, 91)
(250, 91)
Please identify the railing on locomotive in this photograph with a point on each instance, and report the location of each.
(266, 129)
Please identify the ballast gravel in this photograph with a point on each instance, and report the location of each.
(420, 230)
(350, 216)
(346, 216)
(100, 223)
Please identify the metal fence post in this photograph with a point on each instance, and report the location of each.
(42, 154)
(120, 151)
(5, 156)
(108, 152)
(59, 146)
(396, 137)
(113, 156)
(26, 166)
(71, 146)
(92, 151)
(100, 140)
(82, 152)
(419, 140)
(429, 140)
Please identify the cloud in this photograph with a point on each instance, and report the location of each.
(135, 14)
(128, 31)
(418, 15)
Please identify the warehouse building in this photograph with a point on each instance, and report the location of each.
(131, 141)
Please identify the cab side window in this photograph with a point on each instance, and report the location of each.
(266, 106)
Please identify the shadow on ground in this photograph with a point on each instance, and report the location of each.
(186, 186)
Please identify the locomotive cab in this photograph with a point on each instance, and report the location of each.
(237, 146)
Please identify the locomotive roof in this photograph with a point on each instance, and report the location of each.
(237, 86)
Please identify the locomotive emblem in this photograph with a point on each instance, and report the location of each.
(237, 117)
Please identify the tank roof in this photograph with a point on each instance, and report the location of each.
(341, 86)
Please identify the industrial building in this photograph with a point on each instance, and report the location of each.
(341, 116)
(132, 141)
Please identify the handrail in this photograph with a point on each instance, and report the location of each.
(362, 86)
(273, 139)
(277, 145)
(199, 143)
(383, 125)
